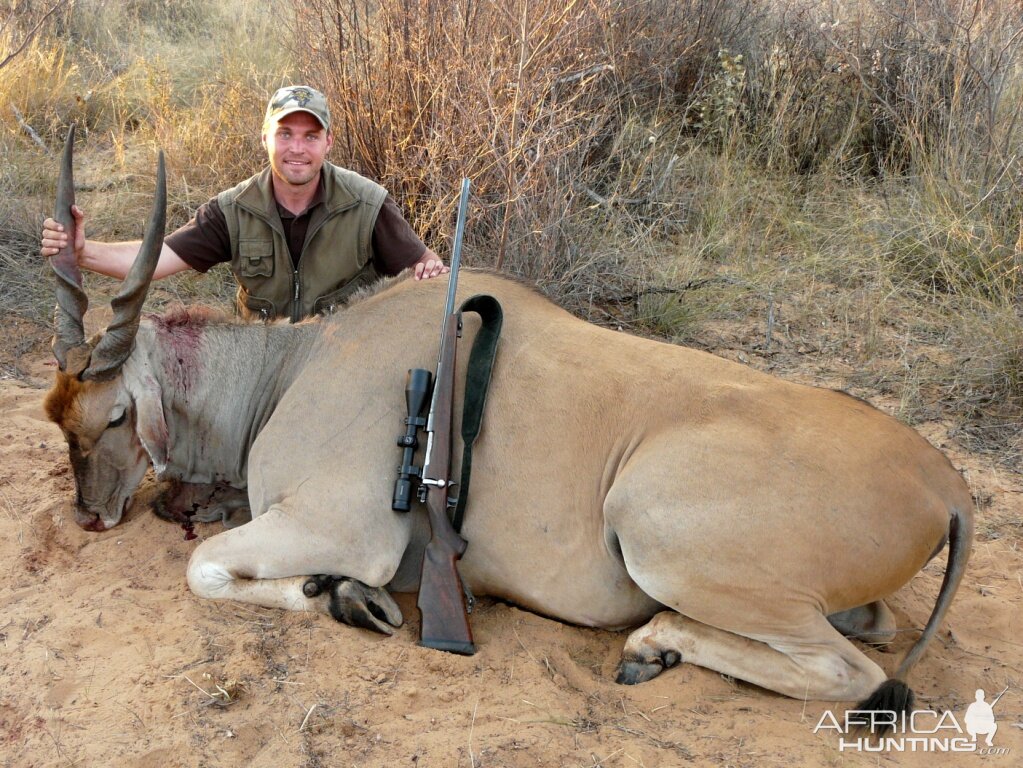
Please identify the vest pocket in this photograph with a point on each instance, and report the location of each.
(254, 308)
(328, 303)
(255, 258)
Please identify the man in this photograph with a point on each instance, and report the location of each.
(300, 236)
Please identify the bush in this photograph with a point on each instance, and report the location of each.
(529, 99)
(777, 180)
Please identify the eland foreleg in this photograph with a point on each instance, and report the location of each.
(280, 560)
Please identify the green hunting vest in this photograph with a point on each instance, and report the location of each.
(336, 258)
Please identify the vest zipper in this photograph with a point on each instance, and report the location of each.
(296, 311)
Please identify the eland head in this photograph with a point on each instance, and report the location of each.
(112, 425)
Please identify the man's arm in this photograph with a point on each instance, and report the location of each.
(396, 246)
(111, 259)
(115, 259)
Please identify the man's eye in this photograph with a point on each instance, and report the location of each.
(118, 421)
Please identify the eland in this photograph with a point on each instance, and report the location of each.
(742, 522)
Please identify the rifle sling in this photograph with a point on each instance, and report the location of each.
(477, 383)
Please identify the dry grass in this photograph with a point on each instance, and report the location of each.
(842, 178)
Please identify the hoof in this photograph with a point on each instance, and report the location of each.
(355, 604)
(174, 502)
(317, 585)
(633, 671)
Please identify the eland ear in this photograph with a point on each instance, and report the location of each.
(150, 424)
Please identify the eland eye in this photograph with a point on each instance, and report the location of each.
(118, 421)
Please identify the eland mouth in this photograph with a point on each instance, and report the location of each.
(91, 521)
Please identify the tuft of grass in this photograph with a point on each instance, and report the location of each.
(986, 383)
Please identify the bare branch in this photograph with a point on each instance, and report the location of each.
(32, 33)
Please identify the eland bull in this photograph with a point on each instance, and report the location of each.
(748, 524)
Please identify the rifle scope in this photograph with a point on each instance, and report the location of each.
(417, 387)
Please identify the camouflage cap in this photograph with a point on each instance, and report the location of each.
(297, 98)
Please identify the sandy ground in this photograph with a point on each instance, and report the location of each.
(108, 660)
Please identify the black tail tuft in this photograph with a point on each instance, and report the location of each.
(891, 696)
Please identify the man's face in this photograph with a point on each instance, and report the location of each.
(297, 145)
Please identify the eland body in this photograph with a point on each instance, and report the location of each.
(746, 523)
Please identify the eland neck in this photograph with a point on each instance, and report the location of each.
(219, 384)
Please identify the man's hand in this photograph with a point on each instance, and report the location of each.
(110, 259)
(54, 237)
(430, 265)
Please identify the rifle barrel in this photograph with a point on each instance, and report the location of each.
(449, 310)
(456, 250)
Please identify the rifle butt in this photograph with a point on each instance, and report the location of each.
(445, 622)
(461, 647)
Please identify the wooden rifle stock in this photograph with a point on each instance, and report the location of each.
(445, 620)
(442, 598)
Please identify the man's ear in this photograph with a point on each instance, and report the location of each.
(150, 424)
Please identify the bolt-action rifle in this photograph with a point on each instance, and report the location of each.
(442, 598)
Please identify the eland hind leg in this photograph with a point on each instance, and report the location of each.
(751, 631)
(744, 600)
(873, 624)
(820, 664)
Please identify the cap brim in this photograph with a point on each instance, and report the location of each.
(291, 110)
